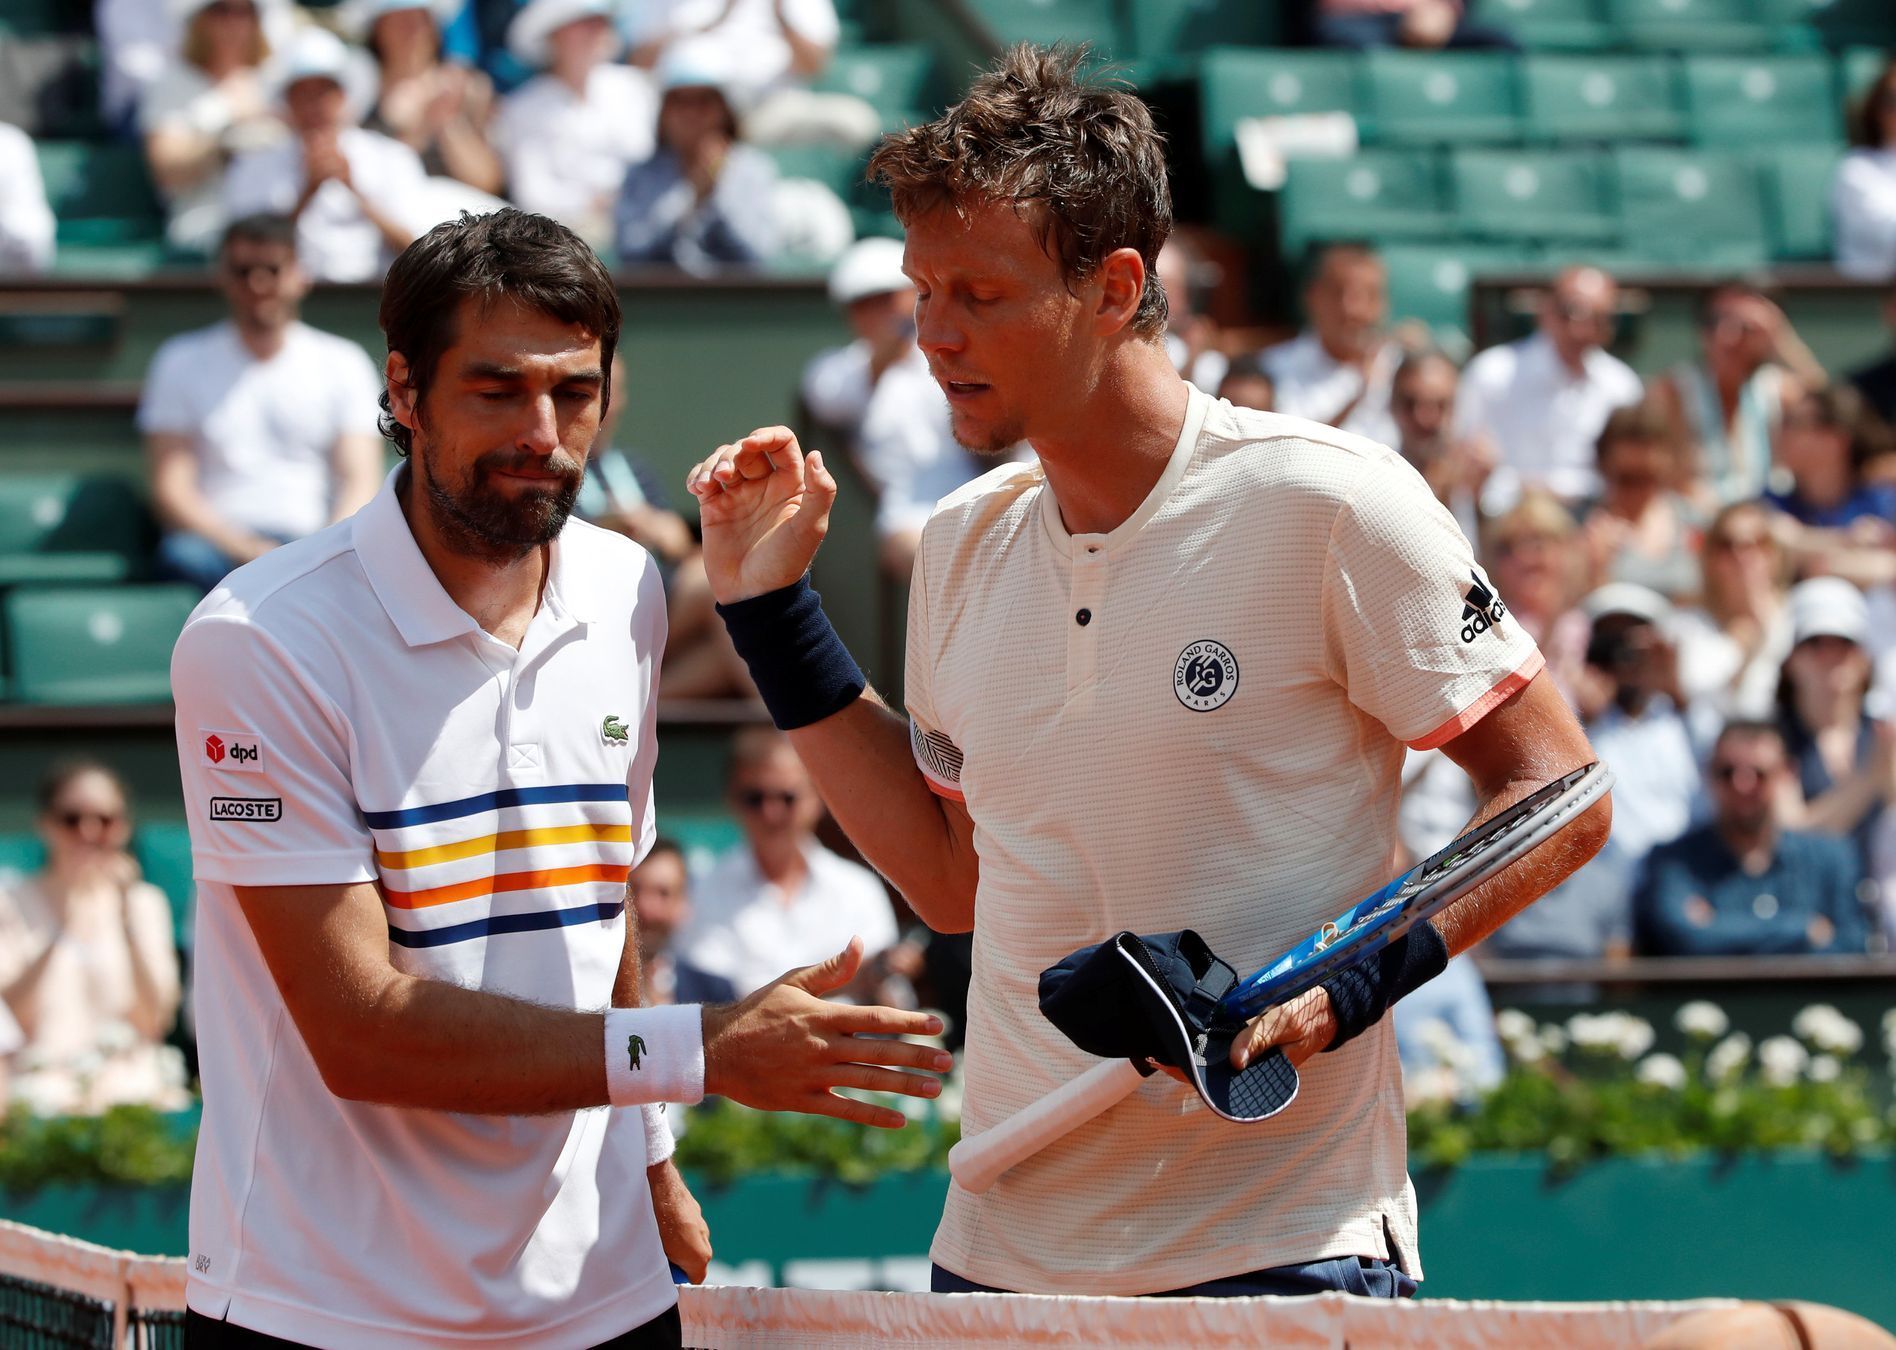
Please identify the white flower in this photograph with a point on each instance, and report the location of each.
(116, 1037)
(1661, 1071)
(1634, 1036)
(1592, 1031)
(1728, 1056)
(1782, 1061)
(949, 1102)
(1701, 1020)
(1527, 1050)
(1553, 1040)
(1512, 1025)
(1437, 1083)
(1439, 1039)
(1825, 1068)
(1823, 1027)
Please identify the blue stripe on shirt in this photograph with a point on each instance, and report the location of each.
(493, 801)
(505, 923)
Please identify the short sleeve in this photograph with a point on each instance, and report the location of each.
(165, 406)
(265, 760)
(936, 754)
(814, 20)
(1413, 629)
(357, 389)
(650, 616)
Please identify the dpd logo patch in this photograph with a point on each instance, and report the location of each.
(1205, 675)
(233, 751)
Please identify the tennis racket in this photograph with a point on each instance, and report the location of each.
(1356, 934)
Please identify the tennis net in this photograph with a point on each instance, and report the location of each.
(57, 1293)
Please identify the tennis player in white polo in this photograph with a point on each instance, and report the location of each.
(417, 752)
(1161, 678)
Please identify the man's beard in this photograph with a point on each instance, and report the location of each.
(478, 521)
(990, 443)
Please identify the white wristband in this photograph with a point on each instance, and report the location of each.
(659, 1144)
(655, 1055)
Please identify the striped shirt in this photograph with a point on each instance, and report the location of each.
(341, 720)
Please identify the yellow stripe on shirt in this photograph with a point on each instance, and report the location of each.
(506, 839)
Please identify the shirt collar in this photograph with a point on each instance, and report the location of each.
(422, 610)
(1198, 403)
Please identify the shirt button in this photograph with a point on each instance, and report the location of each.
(1083, 618)
(1765, 906)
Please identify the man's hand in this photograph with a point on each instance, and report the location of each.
(785, 1049)
(681, 1225)
(323, 160)
(1300, 1028)
(765, 507)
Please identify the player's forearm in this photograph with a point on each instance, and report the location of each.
(436, 1046)
(863, 766)
(1487, 907)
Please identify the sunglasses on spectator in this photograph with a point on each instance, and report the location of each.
(231, 9)
(1728, 773)
(72, 820)
(244, 271)
(1739, 543)
(1582, 313)
(755, 799)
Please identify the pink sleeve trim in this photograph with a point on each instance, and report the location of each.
(941, 789)
(1510, 686)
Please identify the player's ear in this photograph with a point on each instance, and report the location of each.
(1122, 281)
(401, 394)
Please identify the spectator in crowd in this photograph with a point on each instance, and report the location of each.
(780, 894)
(87, 962)
(1863, 194)
(1635, 717)
(209, 105)
(704, 200)
(1541, 401)
(1826, 439)
(621, 492)
(1339, 368)
(1427, 24)
(1728, 402)
(1877, 382)
(353, 193)
(1535, 558)
(1732, 649)
(1422, 405)
(1742, 884)
(1248, 385)
(260, 429)
(1191, 338)
(1843, 756)
(659, 891)
(763, 53)
(569, 134)
(26, 220)
(437, 107)
(1640, 529)
(877, 395)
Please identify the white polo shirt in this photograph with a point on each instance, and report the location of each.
(1196, 720)
(1312, 383)
(341, 719)
(1542, 419)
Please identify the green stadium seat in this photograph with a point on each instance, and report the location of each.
(1236, 83)
(1442, 96)
(163, 852)
(1835, 23)
(1158, 30)
(1559, 25)
(1689, 25)
(1046, 21)
(100, 192)
(93, 645)
(1430, 282)
(1797, 182)
(1860, 68)
(38, 18)
(1375, 195)
(1746, 100)
(1525, 194)
(897, 79)
(69, 528)
(839, 170)
(1691, 207)
(1602, 98)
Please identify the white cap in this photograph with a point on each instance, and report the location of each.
(318, 54)
(1829, 607)
(1624, 597)
(528, 33)
(869, 267)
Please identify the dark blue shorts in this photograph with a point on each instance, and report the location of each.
(1346, 1274)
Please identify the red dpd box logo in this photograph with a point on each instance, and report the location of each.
(231, 751)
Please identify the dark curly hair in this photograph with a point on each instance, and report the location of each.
(1035, 132)
(508, 253)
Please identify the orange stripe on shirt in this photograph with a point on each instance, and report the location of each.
(508, 881)
(1510, 685)
(506, 839)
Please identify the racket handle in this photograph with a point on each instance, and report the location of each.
(978, 1162)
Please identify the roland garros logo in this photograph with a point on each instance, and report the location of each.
(1205, 676)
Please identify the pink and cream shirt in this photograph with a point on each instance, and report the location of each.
(1196, 720)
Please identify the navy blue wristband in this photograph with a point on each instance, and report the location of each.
(802, 670)
(1362, 993)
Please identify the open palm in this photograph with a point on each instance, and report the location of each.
(765, 507)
